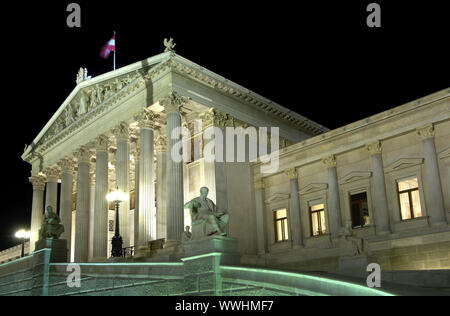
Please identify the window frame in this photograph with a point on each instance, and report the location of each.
(409, 191)
(283, 226)
(321, 232)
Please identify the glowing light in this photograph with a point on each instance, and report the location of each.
(117, 196)
(23, 234)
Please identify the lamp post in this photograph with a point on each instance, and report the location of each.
(24, 236)
(117, 197)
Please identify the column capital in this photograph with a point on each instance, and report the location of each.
(330, 161)
(291, 173)
(173, 102)
(122, 131)
(83, 155)
(67, 165)
(147, 119)
(161, 144)
(212, 117)
(426, 132)
(102, 143)
(259, 184)
(38, 182)
(52, 174)
(374, 148)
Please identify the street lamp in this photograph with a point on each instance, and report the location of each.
(24, 236)
(117, 197)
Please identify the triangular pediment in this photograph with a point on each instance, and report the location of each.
(314, 187)
(277, 197)
(355, 176)
(404, 163)
(445, 153)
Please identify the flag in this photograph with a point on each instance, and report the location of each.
(108, 48)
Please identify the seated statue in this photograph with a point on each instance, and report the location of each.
(51, 227)
(207, 220)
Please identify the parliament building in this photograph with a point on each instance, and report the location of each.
(374, 191)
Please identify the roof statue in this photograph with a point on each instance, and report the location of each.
(170, 45)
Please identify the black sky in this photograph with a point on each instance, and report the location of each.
(318, 58)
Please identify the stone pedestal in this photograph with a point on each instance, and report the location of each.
(202, 260)
(58, 249)
(355, 266)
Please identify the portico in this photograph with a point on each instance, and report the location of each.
(114, 128)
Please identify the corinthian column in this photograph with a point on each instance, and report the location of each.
(65, 200)
(137, 159)
(379, 188)
(37, 212)
(175, 212)
(147, 213)
(296, 225)
(122, 135)
(83, 202)
(433, 188)
(333, 196)
(100, 251)
(91, 212)
(51, 193)
(161, 209)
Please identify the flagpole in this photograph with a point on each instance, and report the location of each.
(114, 57)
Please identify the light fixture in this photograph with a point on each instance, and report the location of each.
(24, 236)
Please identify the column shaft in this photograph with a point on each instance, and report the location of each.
(123, 182)
(334, 204)
(101, 205)
(381, 206)
(161, 184)
(296, 226)
(260, 224)
(175, 211)
(37, 210)
(82, 207)
(434, 186)
(65, 201)
(147, 215)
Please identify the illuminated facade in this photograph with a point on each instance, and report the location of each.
(377, 190)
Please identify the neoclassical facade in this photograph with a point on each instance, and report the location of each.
(111, 132)
(378, 187)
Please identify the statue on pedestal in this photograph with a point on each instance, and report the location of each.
(355, 243)
(51, 227)
(207, 220)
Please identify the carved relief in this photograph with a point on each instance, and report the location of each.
(147, 119)
(122, 131)
(173, 102)
(66, 165)
(330, 161)
(427, 132)
(38, 182)
(83, 155)
(374, 148)
(161, 144)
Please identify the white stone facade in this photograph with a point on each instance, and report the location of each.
(121, 119)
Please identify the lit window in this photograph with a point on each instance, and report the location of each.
(359, 210)
(281, 225)
(409, 197)
(318, 224)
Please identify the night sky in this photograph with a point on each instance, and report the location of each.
(319, 59)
